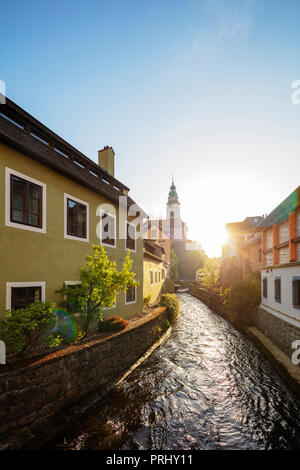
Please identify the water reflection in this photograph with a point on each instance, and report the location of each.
(207, 387)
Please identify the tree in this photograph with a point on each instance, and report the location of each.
(100, 283)
(210, 275)
(189, 262)
(174, 266)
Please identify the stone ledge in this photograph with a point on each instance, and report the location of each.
(289, 371)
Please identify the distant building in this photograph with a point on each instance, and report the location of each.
(241, 254)
(172, 226)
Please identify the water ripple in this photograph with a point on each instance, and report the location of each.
(207, 387)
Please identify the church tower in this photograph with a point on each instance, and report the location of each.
(173, 204)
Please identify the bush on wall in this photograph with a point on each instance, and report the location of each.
(23, 329)
(171, 302)
(112, 324)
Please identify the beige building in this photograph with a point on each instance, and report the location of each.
(54, 204)
(154, 270)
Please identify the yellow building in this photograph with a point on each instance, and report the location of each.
(154, 270)
(54, 204)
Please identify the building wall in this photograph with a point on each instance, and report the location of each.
(284, 309)
(31, 256)
(251, 259)
(156, 288)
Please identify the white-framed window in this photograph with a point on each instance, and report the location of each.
(108, 229)
(72, 283)
(22, 294)
(155, 276)
(130, 295)
(110, 308)
(151, 277)
(130, 240)
(25, 202)
(76, 218)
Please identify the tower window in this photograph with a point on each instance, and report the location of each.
(172, 214)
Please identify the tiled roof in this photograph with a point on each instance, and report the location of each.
(26, 134)
(153, 249)
(247, 224)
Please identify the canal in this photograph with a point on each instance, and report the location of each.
(206, 387)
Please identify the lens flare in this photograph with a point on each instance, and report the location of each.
(66, 325)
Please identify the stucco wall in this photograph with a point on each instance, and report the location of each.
(156, 288)
(46, 396)
(284, 309)
(30, 256)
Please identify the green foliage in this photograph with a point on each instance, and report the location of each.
(210, 275)
(173, 306)
(243, 294)
(112, 324)
(53, 341)
(168, 324)
(174, 265)
(71, 295)
(100, 283)
(22, 329)
(189, 262)
(147, 300)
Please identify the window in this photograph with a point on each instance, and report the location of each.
(159, 276)
(76, 218)
(130, 295)
(25, 202)
(277, 288)
(172, 214)
(107, 229)
(163, 274)
(151, 277)
(155, 276)
(130, 236)
(21, 297)
(21, 294)
(109, 308)
(296, 292)
(265, 287)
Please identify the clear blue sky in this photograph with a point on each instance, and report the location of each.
(200, 89)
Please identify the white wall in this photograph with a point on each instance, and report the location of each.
(284, 309)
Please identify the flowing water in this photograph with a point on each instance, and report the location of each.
(206, 387)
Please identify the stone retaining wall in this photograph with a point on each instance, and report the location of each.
(39, 401)
(281, 333)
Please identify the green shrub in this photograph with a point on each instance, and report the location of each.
(171, 302)
(243, 294)
(112, 324)
(147, 300)
(23, 329)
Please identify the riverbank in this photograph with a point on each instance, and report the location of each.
(44, 397)
(278, 357)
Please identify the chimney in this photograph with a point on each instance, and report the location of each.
(106, 159)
